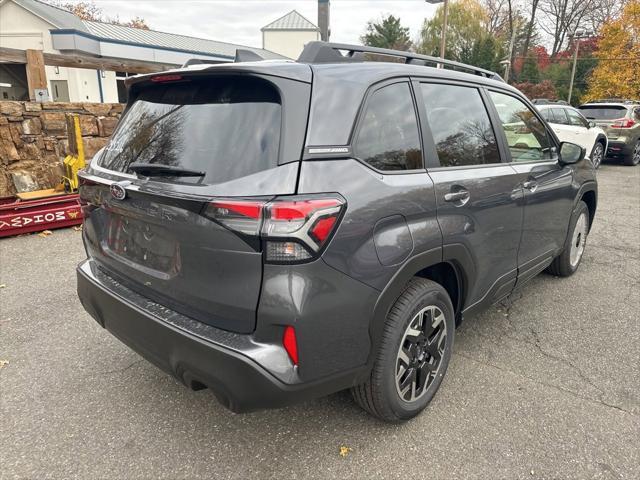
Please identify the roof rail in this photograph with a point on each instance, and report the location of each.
(546, 101)
(326, 52)
(614, 100)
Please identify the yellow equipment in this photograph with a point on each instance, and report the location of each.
(75, 160)
(71, 164)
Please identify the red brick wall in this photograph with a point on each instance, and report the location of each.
(33, 137)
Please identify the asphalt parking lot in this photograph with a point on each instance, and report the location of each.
(546, 385)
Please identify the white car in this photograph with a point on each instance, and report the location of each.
(571, 126)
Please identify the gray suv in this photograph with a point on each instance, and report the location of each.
(277, 231)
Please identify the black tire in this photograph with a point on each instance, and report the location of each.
(597, 154)
(564, 265)
(379, 395)
(633, 158)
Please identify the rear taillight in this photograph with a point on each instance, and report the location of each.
(293, 229)
(244, 216)
(623, 123)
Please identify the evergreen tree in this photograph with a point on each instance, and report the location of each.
(389, 33)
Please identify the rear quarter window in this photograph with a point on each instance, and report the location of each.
(228, 127)
(388, 137)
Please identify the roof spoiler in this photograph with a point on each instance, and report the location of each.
(325, 52)
(242, 55)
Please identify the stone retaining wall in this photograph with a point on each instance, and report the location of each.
(33, 138)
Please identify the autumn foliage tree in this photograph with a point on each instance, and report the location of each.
(93, 13)
(618, 71)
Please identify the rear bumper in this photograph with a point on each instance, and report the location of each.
(619, 149)
(195, 353)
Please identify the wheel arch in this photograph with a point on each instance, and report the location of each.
(602, 138)
(441, 268)
(590, 198)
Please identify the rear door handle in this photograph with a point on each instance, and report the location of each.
(460, 196)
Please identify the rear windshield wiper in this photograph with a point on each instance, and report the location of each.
(159, 170)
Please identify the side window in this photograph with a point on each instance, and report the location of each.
(576, 119)
(527, 137)
(389, 138)
(636, 112)
(546, 114)
(460, 125)
(559, 116)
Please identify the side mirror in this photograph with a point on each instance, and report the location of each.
(571, 153)
(592, 124)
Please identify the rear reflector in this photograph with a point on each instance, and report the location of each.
(290, 344)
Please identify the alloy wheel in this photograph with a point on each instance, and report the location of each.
(597, 155)
(636, 154)
(578, 240)
(420, 354)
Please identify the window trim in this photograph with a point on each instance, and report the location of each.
(536, 113)
(437, 166)
(360, 118)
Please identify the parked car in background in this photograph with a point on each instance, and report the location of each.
(620, 119)
(277, 231)
(571, 126)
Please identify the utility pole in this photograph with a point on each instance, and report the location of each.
(443, 37)
(577, 35)
(443, 34)
(323, 19)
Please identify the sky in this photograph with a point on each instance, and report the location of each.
(239, 21)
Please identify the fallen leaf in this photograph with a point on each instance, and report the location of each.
(77, 228)
(4, 363)
(344, 451)
(45, 233)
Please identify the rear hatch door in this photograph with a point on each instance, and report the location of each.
(605, 117)
(219, 134)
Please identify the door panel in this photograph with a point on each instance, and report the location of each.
(547, 186)
(582, 134)
(487, 222)
(548, 200)
(477, 196)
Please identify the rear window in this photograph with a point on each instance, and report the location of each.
(228, 127)
(603, 113)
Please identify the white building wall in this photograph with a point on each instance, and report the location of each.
(288, 42)
(23, 30)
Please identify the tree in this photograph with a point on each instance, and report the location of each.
(544, 89)
(618, 54)
(389, 33)
(486, 52)
(496, 16)
(466, 25)
(530, 26)
(560, 18)
(91, 12)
